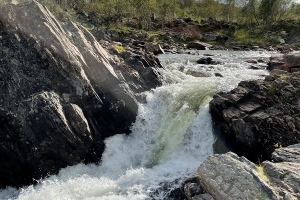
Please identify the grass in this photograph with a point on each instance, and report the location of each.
(242, 36)
(119, 48)
(261, 173)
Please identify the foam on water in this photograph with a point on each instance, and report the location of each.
(172, 135)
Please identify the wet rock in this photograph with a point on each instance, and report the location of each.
(192, 189)
(208, 61)
(258, 116)
(196, 73)
(218, 75)
(61, 95)
(254, 61)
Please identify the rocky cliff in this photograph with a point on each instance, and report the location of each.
(61, 94)
(260, 120)
(259, 116)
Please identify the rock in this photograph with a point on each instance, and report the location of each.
(209, 37)
(198, 45)
(196, 73)
(203, 197)
(208, 61)
(292, 60)
(259, 116)
(154, 48)
(289, 154)
(218, 75)
(254, 61)
(228, 176)
(191, 190)
(284, 177)
(61, 94)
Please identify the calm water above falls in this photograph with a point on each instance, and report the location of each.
(170, 138)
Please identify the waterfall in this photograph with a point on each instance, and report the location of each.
(172, 135)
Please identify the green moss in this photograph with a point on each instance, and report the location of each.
(119, 48)
(271, 89)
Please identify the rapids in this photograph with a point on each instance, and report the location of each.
(172, 135)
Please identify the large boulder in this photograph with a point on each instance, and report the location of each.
(292, 61)
(276, 62)
(228, 176)
(289, 62)
(259, 116)
(61, 94)
(198, 45)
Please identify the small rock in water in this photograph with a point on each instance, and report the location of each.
(207, 54)
(218, 75)
(254, 61)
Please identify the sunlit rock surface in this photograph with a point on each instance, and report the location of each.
(61, 94)
(228, 176)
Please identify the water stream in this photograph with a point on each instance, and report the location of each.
(170, 138)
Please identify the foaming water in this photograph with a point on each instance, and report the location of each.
(172, 135)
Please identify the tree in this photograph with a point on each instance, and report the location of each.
(250, 12)
(271, 11)
(229, 10)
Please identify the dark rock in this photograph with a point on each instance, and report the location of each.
(218, 75)
(259, 116)
(209, 37)
(276, 63)
(61, 94)
(292, 60)
(154, 48)
(208, 61)
(254, 61)
(198, 45)
(192, 189)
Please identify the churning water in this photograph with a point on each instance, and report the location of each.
(170, 138)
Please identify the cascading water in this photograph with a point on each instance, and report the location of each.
(170, 138)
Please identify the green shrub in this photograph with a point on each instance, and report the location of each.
(118, 48)
(242, 36)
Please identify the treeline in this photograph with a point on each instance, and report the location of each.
(250, 12)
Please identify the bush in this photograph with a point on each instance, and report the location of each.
(242, 36)
(118, 48)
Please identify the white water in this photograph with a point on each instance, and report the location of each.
(170, 138)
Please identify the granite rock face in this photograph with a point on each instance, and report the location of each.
(259, 116)
(61, 94)
(228, 176)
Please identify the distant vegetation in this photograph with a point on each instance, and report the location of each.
(250, 21)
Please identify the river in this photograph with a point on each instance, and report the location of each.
(171, 137)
